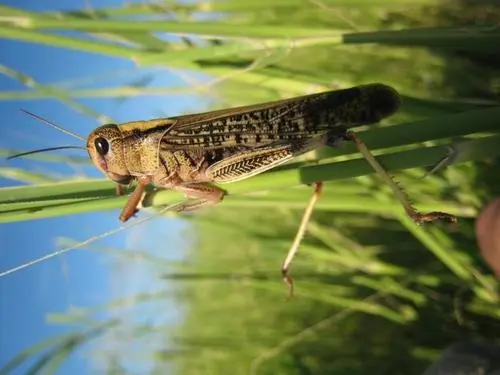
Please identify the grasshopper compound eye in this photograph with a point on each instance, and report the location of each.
(101, 146)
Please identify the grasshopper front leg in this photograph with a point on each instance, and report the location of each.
(130, 208)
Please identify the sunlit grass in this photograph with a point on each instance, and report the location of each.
(368, 279)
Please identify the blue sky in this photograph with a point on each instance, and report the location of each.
(80, 278)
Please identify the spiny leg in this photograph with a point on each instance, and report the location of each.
(416, 216)
(298, 237)
(203, 195)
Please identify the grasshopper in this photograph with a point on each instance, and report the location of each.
(192, 153)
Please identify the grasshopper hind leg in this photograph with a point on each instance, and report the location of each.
(411, 211)
(335, 139)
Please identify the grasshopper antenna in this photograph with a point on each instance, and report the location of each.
(44, 150)
(55, 126)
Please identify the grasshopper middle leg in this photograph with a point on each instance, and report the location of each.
(298, 237)
(199, 195)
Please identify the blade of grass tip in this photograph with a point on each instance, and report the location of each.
(390, 286)
(53, 92)
(486, 289)
(47, 357)
(57, 357)
(72, 43)
(352, 252)
(145, 41)
(76, 316)
(112, 305)
(479, 307)
(31, 351)
(44, 345)
(23, 175)
(320, 256)
(139, 255)
(53, 359)
(73, 83)
(336, 241)
(488, 286)
(281, 84)
(121, 255)
(314, 81)
(310, 291)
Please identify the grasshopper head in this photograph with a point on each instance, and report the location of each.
(105, 147)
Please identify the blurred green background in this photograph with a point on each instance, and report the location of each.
(375, 294)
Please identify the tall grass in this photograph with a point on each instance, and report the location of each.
(375, 293)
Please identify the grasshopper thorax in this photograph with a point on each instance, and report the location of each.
(105, 148)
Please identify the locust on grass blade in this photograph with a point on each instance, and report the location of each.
(193, 153)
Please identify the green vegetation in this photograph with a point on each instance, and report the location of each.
(375, 294)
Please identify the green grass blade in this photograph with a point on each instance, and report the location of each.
(99, 193)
